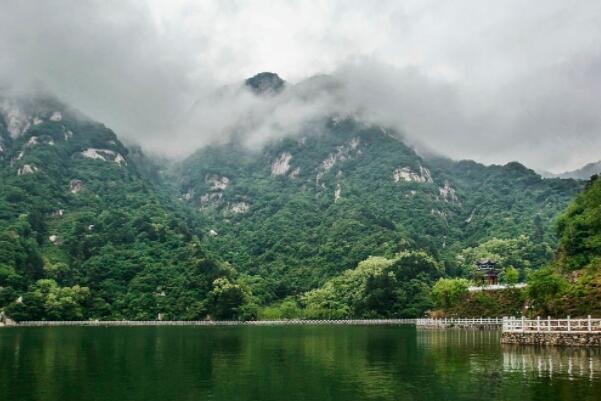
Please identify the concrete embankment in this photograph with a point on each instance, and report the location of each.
(568, 339)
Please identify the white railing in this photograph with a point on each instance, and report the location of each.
(459, 322)
(293, 322)
(495, 287)
(543, 325)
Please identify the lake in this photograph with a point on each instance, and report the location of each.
(287, 363)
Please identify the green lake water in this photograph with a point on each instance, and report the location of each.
(287, 363)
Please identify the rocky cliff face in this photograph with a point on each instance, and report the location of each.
(19, 114)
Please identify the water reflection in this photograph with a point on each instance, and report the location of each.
(564, 362)
(458, 337)
(291, 363)
(549, 361)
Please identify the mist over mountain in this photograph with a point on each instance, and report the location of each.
(84, 231)
(302, 209)
(210, 160)
(278, 200)
(477, 95)
(583, 173)
(234, 228)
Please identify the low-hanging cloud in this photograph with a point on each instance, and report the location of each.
(493, 82)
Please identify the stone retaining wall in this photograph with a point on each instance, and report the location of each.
(541, 338)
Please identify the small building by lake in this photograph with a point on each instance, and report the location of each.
(490, 271)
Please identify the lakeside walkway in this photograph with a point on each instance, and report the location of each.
(292, 322)
(420, 323)
(564, 332)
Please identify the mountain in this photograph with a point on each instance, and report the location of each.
(339, 217)
(303, 209)
(583, 173)
(84, 235)
(265, 82)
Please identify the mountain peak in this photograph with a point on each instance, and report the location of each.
(583, 173)
(18, 113)
(265, 82)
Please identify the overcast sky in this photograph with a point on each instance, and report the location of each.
(493, 81)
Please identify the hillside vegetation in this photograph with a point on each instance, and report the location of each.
(572, 283)
(343, 220)
(303, 210)
(83, 235)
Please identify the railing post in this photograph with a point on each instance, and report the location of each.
(548, 323)
(590, 327)
(523, 328)
(538, 323)
(569, 326)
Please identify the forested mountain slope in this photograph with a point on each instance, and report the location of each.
(304, 209)
(571, 285)
(92, 229)
(83, 235)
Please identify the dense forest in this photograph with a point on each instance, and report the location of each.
(570, 284)
(304, 211)
(343, 221)
(84, 236)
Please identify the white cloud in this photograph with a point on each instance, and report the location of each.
(495, 81)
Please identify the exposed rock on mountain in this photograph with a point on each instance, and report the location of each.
(282, 164)
(421, 176)
(114, 241)
(374, 195)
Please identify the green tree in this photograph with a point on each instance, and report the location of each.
(448, 292)
(226, 299)
(511, 275)
(377, 287)
(545, 286)
(47, 301)
(579, 228)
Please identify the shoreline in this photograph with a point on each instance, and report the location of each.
(210, 323)
(420, 323)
